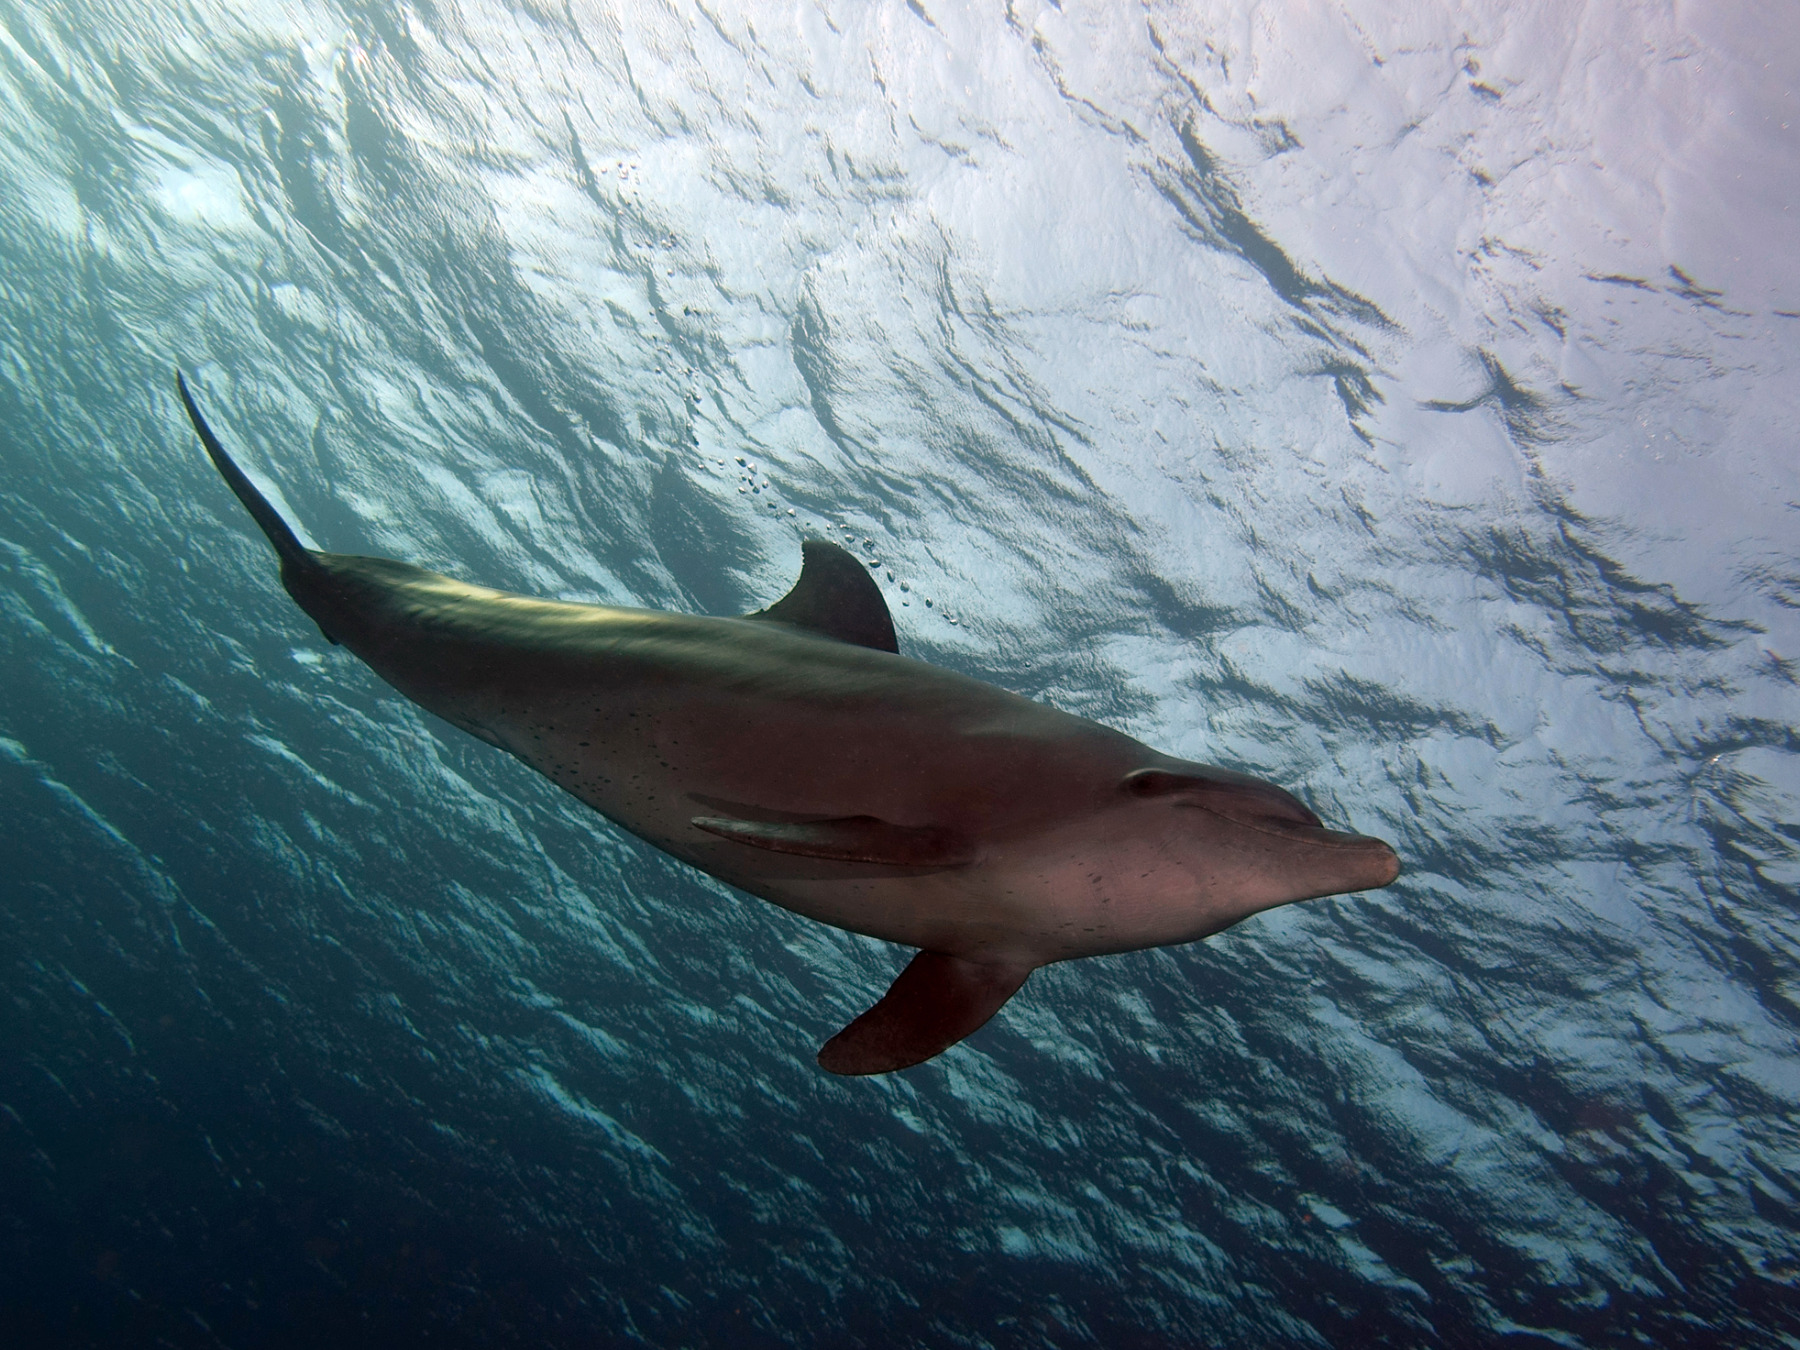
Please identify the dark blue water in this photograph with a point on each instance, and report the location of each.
(1395, 405)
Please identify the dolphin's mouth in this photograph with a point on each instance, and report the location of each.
(1235, 796)
(1312, 832)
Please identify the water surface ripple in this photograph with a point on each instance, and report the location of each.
(1394, 401)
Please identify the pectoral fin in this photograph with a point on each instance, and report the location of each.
(863, 839)
(937, 1001)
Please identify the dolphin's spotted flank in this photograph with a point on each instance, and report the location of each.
(796, 755)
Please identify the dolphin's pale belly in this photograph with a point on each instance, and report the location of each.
(651, 762)
(1047, 889)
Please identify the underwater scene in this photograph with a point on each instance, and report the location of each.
(1387, 413)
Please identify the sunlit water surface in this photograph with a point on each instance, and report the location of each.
(1396, 401)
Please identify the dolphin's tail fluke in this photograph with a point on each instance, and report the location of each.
(287, 544)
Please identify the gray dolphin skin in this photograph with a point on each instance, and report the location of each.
(794, 754)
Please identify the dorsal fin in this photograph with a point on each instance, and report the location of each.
(836, 597)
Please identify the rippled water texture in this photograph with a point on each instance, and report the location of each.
(1392, 400)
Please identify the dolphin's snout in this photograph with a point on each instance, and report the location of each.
(1384, 865)
(1359, 861)
(1372, 862)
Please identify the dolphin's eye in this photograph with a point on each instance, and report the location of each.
(1156, 783)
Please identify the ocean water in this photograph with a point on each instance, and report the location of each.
(1397, 401)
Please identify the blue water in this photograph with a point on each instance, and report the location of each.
(1394, 401)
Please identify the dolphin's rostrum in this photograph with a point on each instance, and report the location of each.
(796, 755)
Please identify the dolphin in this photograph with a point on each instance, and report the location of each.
(795, 754)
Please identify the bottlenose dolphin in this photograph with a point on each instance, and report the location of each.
(795, 754)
